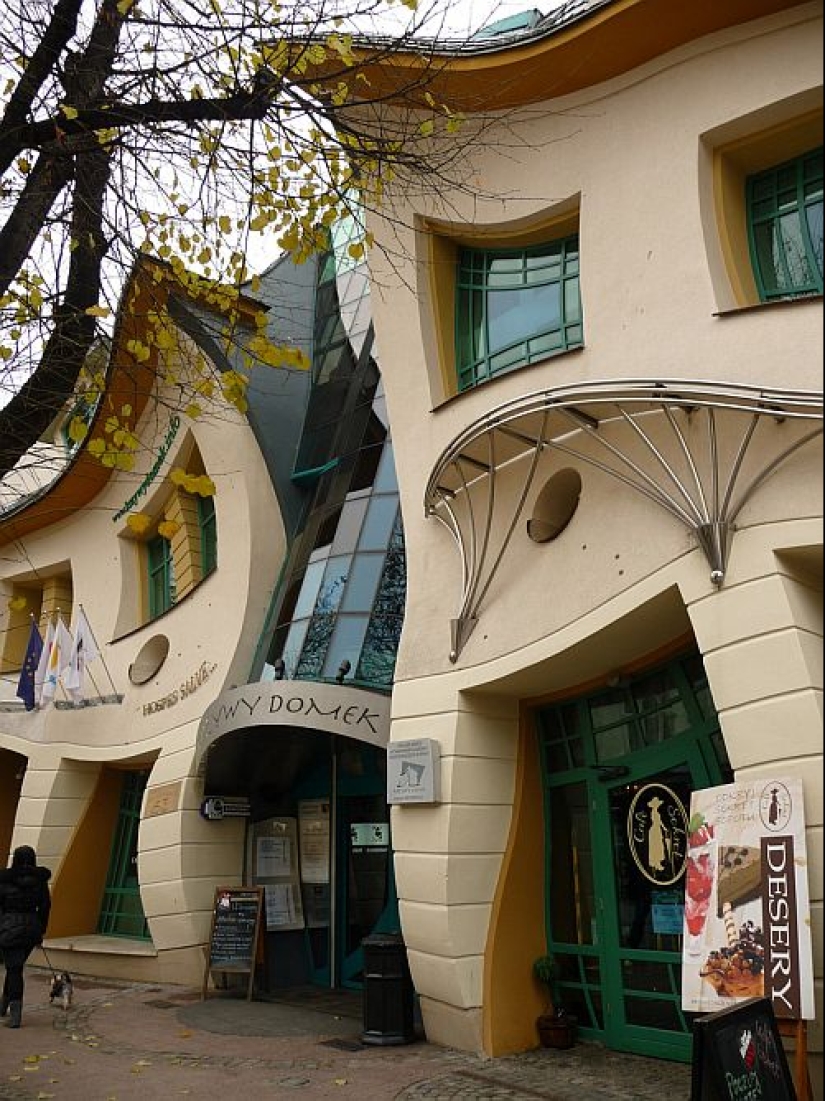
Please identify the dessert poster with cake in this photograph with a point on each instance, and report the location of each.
(747, 926)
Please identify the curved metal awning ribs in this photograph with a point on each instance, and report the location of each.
(688, 447)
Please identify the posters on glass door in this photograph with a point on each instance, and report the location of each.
(747, 912)
(274, 858)
(314, 827)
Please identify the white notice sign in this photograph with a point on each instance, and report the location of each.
(413, 771)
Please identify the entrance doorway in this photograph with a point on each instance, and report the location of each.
(340, 886)
(619, 766)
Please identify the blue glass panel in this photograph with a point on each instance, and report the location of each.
(379, 522)
(380, 651)
(346, 643)
(793, 247)
(516, 314)
(315, 646)
(385, 479)
(294, 644)
(332, 587)
(309, 589)
(363, 581)
(814, 216)
(349, 524)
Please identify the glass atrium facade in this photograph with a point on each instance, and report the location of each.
(341, 603)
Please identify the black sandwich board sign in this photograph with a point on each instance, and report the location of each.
(233, 938)
(738, 1053)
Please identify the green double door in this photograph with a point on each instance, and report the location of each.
(619, 768)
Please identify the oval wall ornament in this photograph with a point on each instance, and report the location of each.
(657, 833)
(149, 659)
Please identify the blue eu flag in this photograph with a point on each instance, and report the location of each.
(25, 686)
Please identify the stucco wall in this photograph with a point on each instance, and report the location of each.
(624, 579)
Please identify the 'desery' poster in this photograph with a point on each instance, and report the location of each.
(747, 926)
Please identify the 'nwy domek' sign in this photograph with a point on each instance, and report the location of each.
(351, 712)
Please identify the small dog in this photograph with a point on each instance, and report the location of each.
(61, 990)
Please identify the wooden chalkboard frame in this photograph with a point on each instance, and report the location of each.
(708, 1070)
(225, 902)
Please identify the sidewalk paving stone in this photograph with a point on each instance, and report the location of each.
(130, 1041)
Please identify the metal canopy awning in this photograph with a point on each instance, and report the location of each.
(699, 450)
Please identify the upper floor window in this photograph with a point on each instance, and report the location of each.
(515, 306)
(161, 570)
(784, 209)
(209, 534)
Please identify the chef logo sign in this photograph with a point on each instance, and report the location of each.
(657, 833)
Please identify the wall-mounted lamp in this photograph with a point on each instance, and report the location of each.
(343, 669)
(279, 665)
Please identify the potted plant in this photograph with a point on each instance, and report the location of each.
(556, 1027)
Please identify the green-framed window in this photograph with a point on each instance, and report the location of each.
(209, 534)
(784, 208)
(515, 306)
(161, 576)
(121, 911)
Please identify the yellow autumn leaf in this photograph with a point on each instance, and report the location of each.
(138, 522)
(98, 311)
(138, 350)
(178, 476)
(193, 410)
(69, 112)
(205, 486)
(168, 529)
(426, 128)
(124, 460)
(77, 430)
(17, 603)
(96, 447)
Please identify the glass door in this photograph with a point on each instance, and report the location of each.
(619, 767)
(640, 874)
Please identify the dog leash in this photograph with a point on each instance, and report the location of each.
(48, 961)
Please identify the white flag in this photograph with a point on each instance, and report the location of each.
(42, 665)
(59, 652)
(83, 651)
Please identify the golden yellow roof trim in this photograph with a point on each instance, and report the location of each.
(128, 383)
(611, 40)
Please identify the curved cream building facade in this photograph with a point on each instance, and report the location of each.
(619, 145)
(65, 767)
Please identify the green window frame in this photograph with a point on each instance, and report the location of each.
(161, 576)
(784, 211)
(208, 525)
(514, 307)
(121, 910)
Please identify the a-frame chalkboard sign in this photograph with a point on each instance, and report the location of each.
(233, 938)
(738, 1052)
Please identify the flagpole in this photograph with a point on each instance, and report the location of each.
(99, 650)
(60, 679)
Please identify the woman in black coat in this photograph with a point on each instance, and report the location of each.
(24, 913)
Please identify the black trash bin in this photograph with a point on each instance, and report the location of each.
(388, 991)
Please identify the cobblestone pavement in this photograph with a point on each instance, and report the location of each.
(122, 1042)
